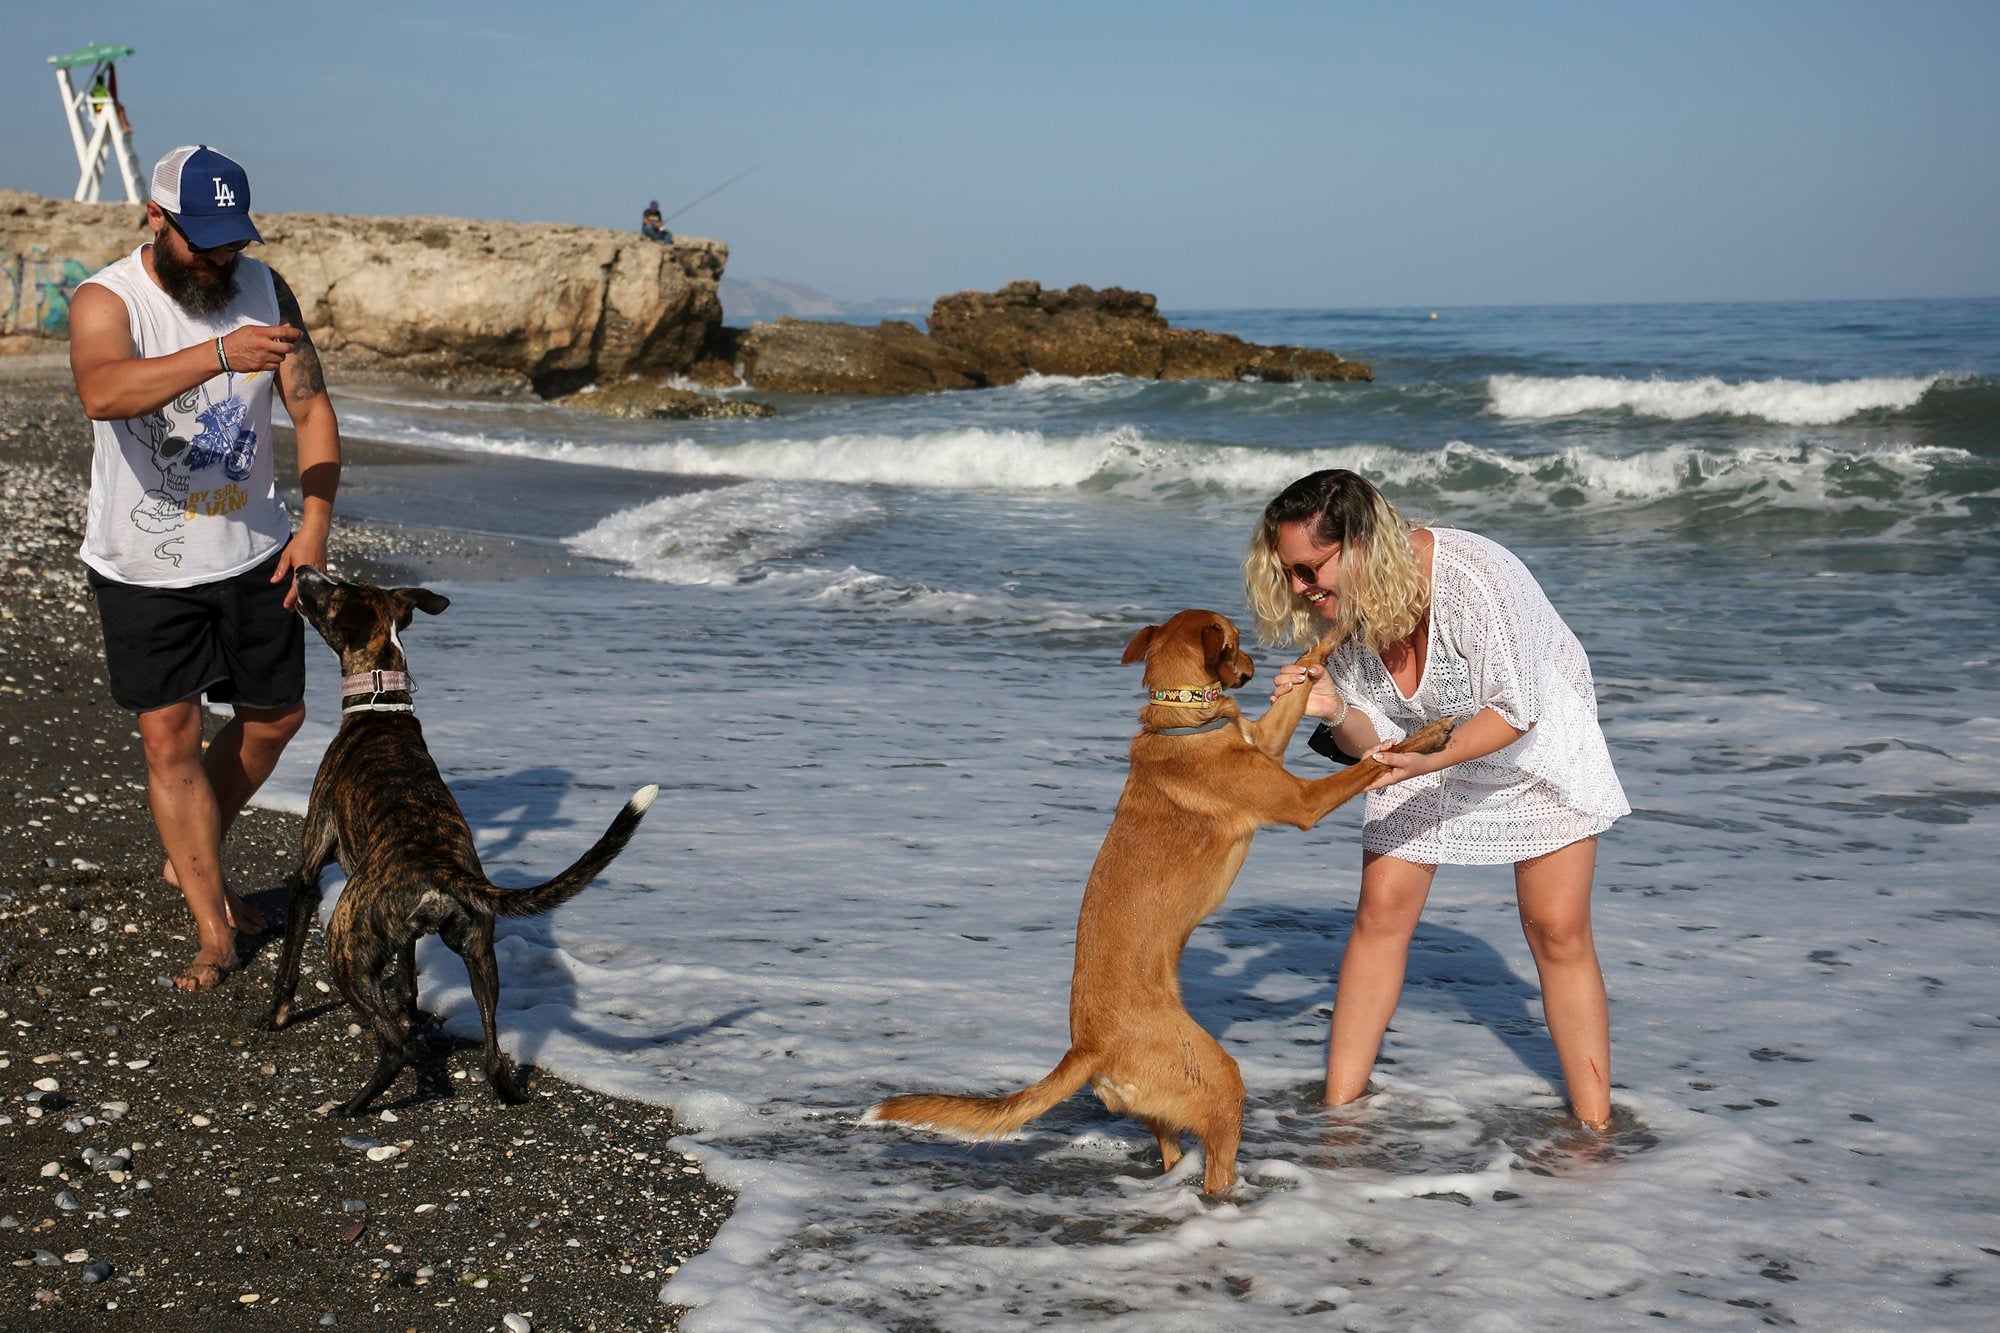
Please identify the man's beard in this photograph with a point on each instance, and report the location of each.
(196, 287)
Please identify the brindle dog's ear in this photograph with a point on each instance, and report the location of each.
(1140, 642)
(421, 599)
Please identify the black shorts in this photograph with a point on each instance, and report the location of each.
(232, 639)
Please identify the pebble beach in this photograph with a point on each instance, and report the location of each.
(163, 1158)
(869, 651)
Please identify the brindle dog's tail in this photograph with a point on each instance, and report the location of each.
(535, 901)
(981, 1118)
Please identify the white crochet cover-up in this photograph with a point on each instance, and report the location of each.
(1495, 642)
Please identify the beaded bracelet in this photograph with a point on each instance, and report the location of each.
(1339, 717)
(222, 356)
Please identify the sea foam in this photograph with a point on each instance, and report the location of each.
(720, 535)
(1788, 402)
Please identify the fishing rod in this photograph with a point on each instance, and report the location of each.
(717, 190)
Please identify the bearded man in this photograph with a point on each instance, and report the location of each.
(176, 350)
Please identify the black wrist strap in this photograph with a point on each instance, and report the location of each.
(1322, 742)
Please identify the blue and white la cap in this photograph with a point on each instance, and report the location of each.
(208, 195)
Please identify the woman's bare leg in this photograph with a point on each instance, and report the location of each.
(1554, 896)
(1371, 971)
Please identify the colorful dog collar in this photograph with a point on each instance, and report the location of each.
(1197, 696)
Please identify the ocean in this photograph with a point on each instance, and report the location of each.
(869, 649)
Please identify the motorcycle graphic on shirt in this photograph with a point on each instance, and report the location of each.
(198, 437)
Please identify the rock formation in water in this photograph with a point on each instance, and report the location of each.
(809, 356)
(1025, 328)
(989, 338)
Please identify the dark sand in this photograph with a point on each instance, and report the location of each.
(241, 1200)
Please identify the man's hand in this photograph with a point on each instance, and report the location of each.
(306, 548)
(260, 346)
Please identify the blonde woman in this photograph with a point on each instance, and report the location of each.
(1436, 622)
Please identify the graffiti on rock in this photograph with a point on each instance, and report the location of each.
(35, 291)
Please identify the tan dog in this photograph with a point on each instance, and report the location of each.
(1203, 780)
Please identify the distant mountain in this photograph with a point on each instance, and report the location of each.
(747, 300)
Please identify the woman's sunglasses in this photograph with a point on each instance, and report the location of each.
(1309, 574)
(231, 248)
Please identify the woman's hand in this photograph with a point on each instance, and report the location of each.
(1402, 767)
(1475, 737)
(1324, 701)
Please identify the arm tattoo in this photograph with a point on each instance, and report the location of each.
(300, 376)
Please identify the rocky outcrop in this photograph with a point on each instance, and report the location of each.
(508, 307)
(483, 305)
(632, 398)
(989, 338)
(1023, 329)
(806, 356)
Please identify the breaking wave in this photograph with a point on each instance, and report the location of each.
(1786, 402)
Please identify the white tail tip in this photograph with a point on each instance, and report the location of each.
(642, 799)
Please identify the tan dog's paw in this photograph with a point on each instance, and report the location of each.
(1318, 653)
(1430, 739)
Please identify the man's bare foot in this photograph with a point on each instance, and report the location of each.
(246, 920)
(205, 973)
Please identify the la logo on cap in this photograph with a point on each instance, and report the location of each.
(208, 194)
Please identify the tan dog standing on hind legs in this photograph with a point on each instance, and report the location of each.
(1203, 780)
(380, 807)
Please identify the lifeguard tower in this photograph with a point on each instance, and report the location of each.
(98, 126)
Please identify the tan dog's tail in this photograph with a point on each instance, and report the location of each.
(980, 1118)
(542, 897)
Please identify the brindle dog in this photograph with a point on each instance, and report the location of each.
(379, 806)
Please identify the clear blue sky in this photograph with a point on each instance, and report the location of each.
(1219, 155)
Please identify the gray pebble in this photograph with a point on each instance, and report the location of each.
(327, 1320)
(46, 1259)
(73, 1126)
(9, 1222)
(354, 1205)
(96, 1271)
(67, 1202)
(360, 1142)
(517, 1323)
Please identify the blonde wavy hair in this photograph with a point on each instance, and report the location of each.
(1382, 593)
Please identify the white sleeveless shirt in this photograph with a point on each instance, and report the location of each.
(185, 495)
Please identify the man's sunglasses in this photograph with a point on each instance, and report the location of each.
(1309, 574)
(230, 248)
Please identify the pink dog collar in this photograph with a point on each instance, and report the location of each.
(377, 682)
